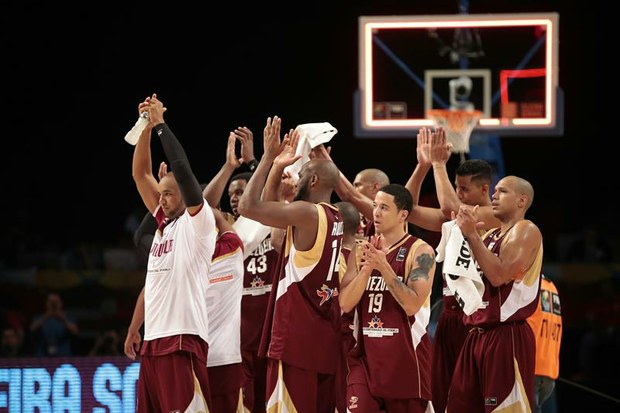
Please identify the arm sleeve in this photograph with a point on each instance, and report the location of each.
(188, 184)
(143, 236)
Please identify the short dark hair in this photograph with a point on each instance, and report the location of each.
(242, 176)
(350, 216)
(402, 196)
(480, 170)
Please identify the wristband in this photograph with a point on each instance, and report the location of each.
(252, 165)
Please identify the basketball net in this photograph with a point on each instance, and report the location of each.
(458, 125)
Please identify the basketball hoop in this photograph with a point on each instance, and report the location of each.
(458, 125)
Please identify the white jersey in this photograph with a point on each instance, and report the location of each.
(175, 289)
(224, 294)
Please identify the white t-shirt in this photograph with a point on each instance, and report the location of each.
(175, 290)
(224, 292)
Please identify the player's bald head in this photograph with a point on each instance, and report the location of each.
(522, 187)
(326, 171)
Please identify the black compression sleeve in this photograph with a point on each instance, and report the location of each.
(143, 236)
(188, 184)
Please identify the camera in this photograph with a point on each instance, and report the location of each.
(460, 89)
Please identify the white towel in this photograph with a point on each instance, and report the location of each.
(311, 136)
(459, 268)
(251, 232)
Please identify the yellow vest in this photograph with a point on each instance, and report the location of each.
(546, 323)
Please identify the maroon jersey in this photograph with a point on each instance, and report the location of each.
(514, 301)
(347, 320)
(301, 328)
(366, 227)
(260, 267)
(347, 341)
(394, 347)
(448, 296)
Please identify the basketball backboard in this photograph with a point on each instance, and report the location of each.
(505, 65)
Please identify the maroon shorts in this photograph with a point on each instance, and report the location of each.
(172, 382)
(226, 383)
(447, 343)
(359, 399)
(340, 387)
(299, 390)
(496, 367)
(254, 388)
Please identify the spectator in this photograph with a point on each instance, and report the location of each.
(53, 330)
(11, 316)
(107, 344)
(11, 343)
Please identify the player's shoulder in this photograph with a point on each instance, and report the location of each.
(329, 206)
(527, 228)
(424, 247)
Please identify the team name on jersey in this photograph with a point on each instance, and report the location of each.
(377, 283)
(159, 249)
(338, 228)
(262, 248)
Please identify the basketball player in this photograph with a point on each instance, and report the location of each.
(366, 184)
(224, 293)
(215, 188)
(360, 193)
(224, 306)
(546, 324)
(350, 218)
(495, 370)
(260, 263)
(224, 367)
(389, 290)
(173, 368)
(424, 217)
(300, 338)
(472, 182)
(466, 191)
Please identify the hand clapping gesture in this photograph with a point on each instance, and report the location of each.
(423, 146)
(245, 136)
(373, 253)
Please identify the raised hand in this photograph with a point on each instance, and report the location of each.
(441, 149)
(467, 220)
(231, 155)
(423, 146)
(144, 106)
(320, 152)
(374, 253)
(163, 170)
(246, 137)
(271, 137)
(287, 187)
(289, 147)
(156, 110)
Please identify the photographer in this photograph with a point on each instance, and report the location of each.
(53, 330)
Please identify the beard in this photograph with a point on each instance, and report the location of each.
(302, 192)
